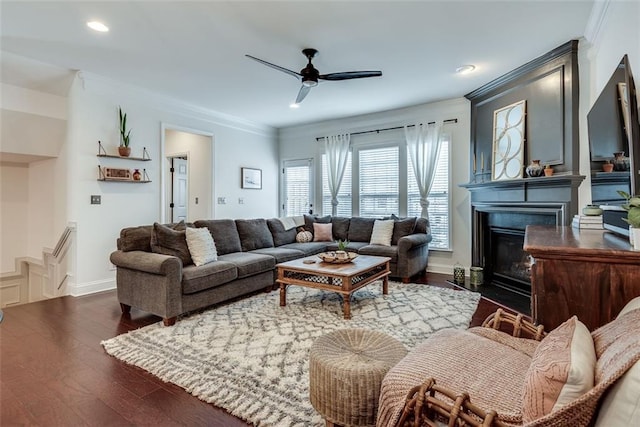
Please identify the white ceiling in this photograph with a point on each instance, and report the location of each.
(194, 51)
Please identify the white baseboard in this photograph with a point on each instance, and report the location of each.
(79, 289)
(440, 268)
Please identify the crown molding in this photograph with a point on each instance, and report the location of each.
(593, 30)
(112, 88)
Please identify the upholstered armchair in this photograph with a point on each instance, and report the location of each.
(485, 376)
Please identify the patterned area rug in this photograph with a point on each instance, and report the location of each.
(251, 356)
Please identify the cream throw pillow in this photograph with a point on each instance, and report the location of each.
(562, 369)
(201, 245)
(382, 232)
(322, 232)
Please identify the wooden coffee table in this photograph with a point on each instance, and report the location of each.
(344, 279)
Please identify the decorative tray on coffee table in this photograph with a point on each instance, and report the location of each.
(335, 258)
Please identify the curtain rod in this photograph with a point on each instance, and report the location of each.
(393, 128)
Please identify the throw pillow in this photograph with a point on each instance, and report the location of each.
(309, 220)
(634, 304)
(382, 232)
(562, 369)
(322, 232)
(201, 245)
(304, 237)
(621, 405)
(402, 228)
(171, 241)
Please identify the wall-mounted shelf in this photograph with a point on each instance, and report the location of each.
(112, 174)
(103, 153)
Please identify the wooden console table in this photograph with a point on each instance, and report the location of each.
(589, 273)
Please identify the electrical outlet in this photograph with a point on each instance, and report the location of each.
(96, 199)
(196, 200)
(222, 200)
(241, 201)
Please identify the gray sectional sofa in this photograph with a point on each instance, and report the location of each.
(163, 283)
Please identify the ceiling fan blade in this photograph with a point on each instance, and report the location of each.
(277, 67)
(350, 75)
(304, 90)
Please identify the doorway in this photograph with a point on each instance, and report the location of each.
(178, 197)
(187, 175)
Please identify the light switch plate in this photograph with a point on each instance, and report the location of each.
(222, 200)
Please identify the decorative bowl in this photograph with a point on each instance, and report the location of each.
(592, 210)
(334, 258)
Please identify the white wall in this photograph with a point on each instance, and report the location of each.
(613, 31)
(93, 116)
(14, 191)
(299, 142)
(199, 149)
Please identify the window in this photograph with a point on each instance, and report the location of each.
(438, 199)
(382, 173)
(379, 182)
(297, 187)
(344, 194)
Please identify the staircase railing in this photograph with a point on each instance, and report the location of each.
(36, 279)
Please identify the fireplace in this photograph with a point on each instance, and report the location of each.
(498, 237)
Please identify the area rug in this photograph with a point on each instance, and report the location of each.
(251, 356)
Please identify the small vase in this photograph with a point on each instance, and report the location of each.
(634, 234)
(620, 161)
(534, 170)
(137, 176)
(124, 151)
(548, 171)
(607, 167)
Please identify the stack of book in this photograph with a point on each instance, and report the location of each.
(590, 222)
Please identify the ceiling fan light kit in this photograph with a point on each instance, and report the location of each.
(309, 75)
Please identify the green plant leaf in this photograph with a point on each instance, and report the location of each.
(624, 194)
(634, 201)
(633, 218)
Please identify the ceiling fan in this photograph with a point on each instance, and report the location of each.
(309, 75)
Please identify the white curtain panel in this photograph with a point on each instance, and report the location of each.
(337, 150)
(423, 145)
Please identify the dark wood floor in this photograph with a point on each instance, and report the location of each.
(54, 372)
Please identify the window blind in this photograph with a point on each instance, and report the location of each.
(344, 194)
(379, 182)
(297, 185)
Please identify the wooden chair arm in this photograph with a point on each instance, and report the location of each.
(519, 324)
(424, 406)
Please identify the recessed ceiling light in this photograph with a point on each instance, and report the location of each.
(294, 105)
(465, 69)
(97, 26)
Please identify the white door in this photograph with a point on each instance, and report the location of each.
(179, 189)
(297, 187)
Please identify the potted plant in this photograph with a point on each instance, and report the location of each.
(342, 249)
(124, 150)
(633, 217)
(548, 170)
(607, 166)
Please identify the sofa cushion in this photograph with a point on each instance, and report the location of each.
(422, 226)
(309, 248)
(340, 227)
(279, 234)
(323, 232)
(201, 245)
(402, 227)
(224, 233)
(351, 247)
(168, 240)
(135, 238)
(360, 229)
(254, 234)
(309, 220)
(280, 254)
(562, 369)
(249, 263)
(379, 250)
(382, 232)
(211, 275)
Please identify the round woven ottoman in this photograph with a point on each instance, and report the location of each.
(346, 368)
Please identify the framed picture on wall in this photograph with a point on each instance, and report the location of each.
(252, 178)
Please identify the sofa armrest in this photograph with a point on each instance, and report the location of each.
(516, 323)
(429, 402)
(147, 261)
(412, 240)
